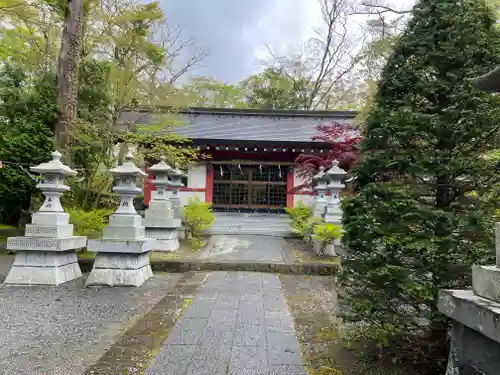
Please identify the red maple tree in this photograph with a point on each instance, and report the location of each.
(343, 139)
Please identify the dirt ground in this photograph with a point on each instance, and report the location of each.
(313, 302)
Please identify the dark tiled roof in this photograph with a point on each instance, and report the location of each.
(241, 124)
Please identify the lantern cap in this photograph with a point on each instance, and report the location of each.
(161, 167)
(128, 168)
(55, 166)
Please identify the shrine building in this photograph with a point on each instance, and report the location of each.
(252, 154)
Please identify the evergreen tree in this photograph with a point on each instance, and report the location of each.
(422, 212)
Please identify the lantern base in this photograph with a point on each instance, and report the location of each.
(43, 268)
(119, 269)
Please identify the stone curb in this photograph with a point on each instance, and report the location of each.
(185, 266)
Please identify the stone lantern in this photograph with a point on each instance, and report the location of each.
(335, 177)
(122, 254)
(161, 226)
(320, 187)
(46, 255)
(176, 176)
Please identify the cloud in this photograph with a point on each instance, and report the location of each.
(232, 31)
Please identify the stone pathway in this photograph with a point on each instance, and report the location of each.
(238, 324)
(247, 248)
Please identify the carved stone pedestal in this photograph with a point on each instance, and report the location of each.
(119, 264)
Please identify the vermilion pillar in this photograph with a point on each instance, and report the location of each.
(209, 184)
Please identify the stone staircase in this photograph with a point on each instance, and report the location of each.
(251, 223)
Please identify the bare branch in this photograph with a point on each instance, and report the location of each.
(380, 9)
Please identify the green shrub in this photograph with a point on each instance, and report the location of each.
(302, 221)
(198, 216)
(420, 216)
(326, 233)
(89, 223)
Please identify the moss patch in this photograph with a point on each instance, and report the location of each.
(135, 350)
(313, 303)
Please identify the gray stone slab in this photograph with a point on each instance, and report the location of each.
(252, 299)
(283, 349)
(187, 331)
(250, 315)
(274, 300)
(199, 308)
(172, 360)
(227, 302)
(247, 248)
(271, 281)
(279, 321)
(250, 335)
(248, 360)
(223, 320)
(212, 354)
(287, 370)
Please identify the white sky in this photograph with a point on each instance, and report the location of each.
(235, 31)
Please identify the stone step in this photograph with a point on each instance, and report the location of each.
(256, 231)
(259, 224)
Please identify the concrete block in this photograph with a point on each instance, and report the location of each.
(117, 277)
(32, 275)
(486, 282)
(50, 218)
(475, 312)
(121, 261)
(115, 269)
(58, 231)
(162, 245)
(121, 220)
(124, 247)
(123, 233)
(162, 233)
(161, 222)
(46, 244)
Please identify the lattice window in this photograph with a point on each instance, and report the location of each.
(222, 194)
(239, 194)
(277, 195)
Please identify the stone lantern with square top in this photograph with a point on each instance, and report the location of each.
(122, 254)
(46, 254)
(160, 222)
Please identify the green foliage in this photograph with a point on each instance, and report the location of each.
(327, 233)
(273, 90)
(198, 216)
(27, 117)
(207, 92)
(411, 227)
(89, 223)
(302, 221)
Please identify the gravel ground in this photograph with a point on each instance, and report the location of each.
(60, 331)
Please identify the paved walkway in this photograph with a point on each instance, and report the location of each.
(238, 324)
(247, 248)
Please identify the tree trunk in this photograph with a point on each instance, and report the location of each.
(67, 75)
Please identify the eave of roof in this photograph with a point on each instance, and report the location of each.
(247, 112)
